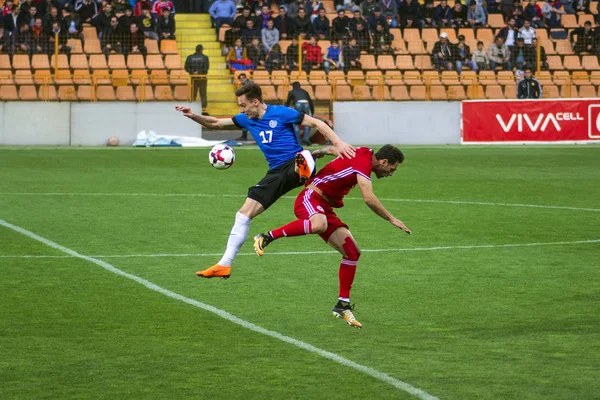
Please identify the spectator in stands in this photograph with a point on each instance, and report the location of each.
(333, 58)
(256, 52)
(321, 25)
(291, 55)
(409, 13)
(62, 40)
(166, 25)
(275, 59)
(443, 15)
(582, 6)
(443, 53)
(312, 56)
(476, 16)
(527, 33)
(459, 15)
(480, 57)
(382, 42)
(376, 19)
(552, 11)
(585, 42)
(134, 42)
(463, 56)
(102, 21)
(240, 21)
(351, 56)
(137, 10)
(126, 19)
(23, 40)
(518, 13)
(71, 24)
(389, 9)
(302, 102)
(39, 40)
(159, 5)
(6, 8)
(86, 9)
(507, 8)
(499, 54)
(148, 27)
(237, 52)
(339, 26)
(533, 14)
(29, 15)
(270, 36)
(111, 39)
(362, 37)
(427, 15)
(222, 12)
(250, 32)
(543, 57)
(367, 7)
(529, 87)
(264, 16)
(520, 56)
(5, 45)
(350, 5)
(568, 6)
(356, 18)
(121, 5)
(11, 21)
(292, 9)
(509, 33)
(313, 7)
(43, 8)
(198, 64)
(283, 23)
(302, 24)
(50, 19)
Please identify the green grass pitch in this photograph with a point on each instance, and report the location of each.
(453, 318)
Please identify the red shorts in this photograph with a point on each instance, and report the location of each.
(309, 203)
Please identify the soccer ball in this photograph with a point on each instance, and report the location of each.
(221, 156)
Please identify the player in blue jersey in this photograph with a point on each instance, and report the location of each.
(272, 127)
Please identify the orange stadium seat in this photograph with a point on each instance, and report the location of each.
(468, 77)
(451, 34)
(367, 62)
(398, 44)
(67, 93)
(92, 46)
(355, 77)
(486, 36)
(399, 93)
(85, 93)
(572, 63)
(178, 77)
(595, 78)
(323, 93)
(423, 62)
(75, 45)
(411, 35)
(438, 93)
(173, 61)
(125, 93)
(154, 61)
(144, 93)
(544, 78)
(284, 44)
(380, 93)
(375, 78)
(510, 91)
(550, 92)
(343, 93)
(281, 78)
(324, 45)
(120, 77)
(105, 93)
(569, 21)
(587, 92)
(168, 47)
(590, 63)
(594, 7)
(315, 77)
(495, 21)
(98, 61)
(494, 92)
(561, 77)
(564, 47)
(5, 62)
(404, 62)
(412, 78)
(163, 93)
(429, 35)
(63, 61)
(159, 77)
(101, 77)
(116, 61)
(568, 91)
(548, 46)
(580, 78)
(361, 92)
(6, 77)
(89, 33)
(416, 47)
(79, 61)
(151, 46)
(431, 78)
(28, 92)
(506, 78)
(81, 77)
(181, 93)
(269, 93)
(21, 61)
(23, 77)
(335, 78)
(385, 62)
(136, 61)
(418, 93)
(450, 78)
(43, 77)
(47, 93)
(554, 63)
(456, 92)
(393, 78)
(139, 76)
(8, 92)
(40, 61)
(475, 92)
(468, 34)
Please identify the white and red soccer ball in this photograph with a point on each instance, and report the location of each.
(221, 156)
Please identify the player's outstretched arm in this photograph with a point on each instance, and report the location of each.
(366, 188)
(345, 150)
(205, 121)
(325, 151)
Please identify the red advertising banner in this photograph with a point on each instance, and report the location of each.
(531, 121)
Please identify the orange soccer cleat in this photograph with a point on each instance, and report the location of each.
(216, 271)
(303, 169)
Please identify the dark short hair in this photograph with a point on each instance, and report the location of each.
(296, 85)
(199, 48)
(244, 75)
(480, 43)
(587, 23)
(390, 153)
(377, 9)
(251, 91)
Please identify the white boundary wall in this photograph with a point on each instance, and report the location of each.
(409, 122)
(89, 124)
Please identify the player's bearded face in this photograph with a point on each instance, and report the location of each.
(385, 169)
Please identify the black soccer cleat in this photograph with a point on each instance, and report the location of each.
(344, 310)
(261, 241)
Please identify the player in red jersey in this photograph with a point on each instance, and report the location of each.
(324, 192)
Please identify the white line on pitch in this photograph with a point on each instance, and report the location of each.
(285, 253)
(476, 203)
(232, 318)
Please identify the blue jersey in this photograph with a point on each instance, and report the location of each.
(274, 133)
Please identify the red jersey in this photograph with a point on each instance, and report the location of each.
(338, 177)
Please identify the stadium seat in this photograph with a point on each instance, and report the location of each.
(151, 46)
(281, 78)
(116, 61)
(468, 77)
(595, 78)
(510, 91)
(542, 34)
(324, 45)
(375, 78)
(144, 93)
(506, 78)
(548, 46)
(42, 77)
(5, 62)
(393, 78)
(23, 77)
(423, 63)
(569, 21)
(487, 78)
(81, 77)
(416, 47)
(486, 36)
(163, 93)
(284, 44)
(572, 63)
(438, 93)
(63, 61)
(40, 61)
(168, 47)
(323, 93)
(361, 93)
(89, 33)
(398, 44)
(261, 77)
(269, 93)
(411, 34)
(47, 93)
(381, 93)
(385, 62)
(181, 93)
(178, 77)
(568, 91)
(418, 93)
(85, 93)
(468, 34)
(561, 77)
(63, 77)
(79, 61)
(367, 62)
(28, 93)
(343, 93)
(404, 62)
(580, 78)
(456, 92)
(495, 21)
(429, 35)
(335, 78)
(120, 77)
(594, 8)
(21, 61)
(431, 78)
(544, 78)
(475, 92)
(173, 61)
(429, 47)
(8, 93)
(159, 77)
(590, 63)
(67, 93)
(75, 45)
(92, 46)
(494, 92)
(587, 92)
(550, 92)
(101, 77)
(564, 47)
(583, 18)
(154, 61)
(355, 78)
(6, 77)
(105, 93)
(412, 78)
(450, 78)
(98, 61)
(399, 93)
(139, 76)
(451, 34)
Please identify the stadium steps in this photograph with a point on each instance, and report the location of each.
(194, 29)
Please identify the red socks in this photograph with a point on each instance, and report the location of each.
(346, 277)
(298, 227)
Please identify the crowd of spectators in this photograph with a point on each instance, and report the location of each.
(33, 26)
(255, 32)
